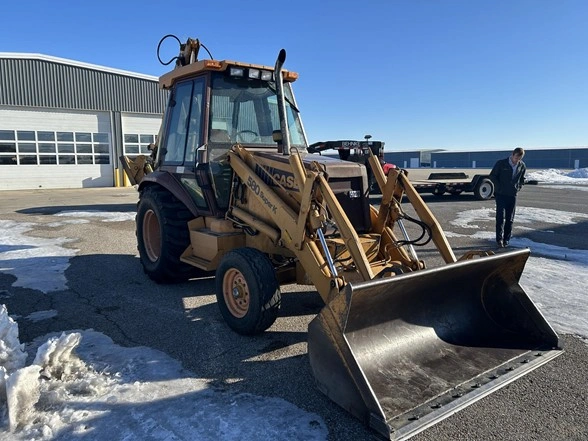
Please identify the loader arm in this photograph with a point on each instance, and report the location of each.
(393, 187)
(348, 234)
(299, 230)
(438, 236)
(288, 222)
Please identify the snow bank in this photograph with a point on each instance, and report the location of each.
(12, 353)
(554, 176)
(83, 385)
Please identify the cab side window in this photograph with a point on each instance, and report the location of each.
(178, 123)
(195, 134)
(184, 130)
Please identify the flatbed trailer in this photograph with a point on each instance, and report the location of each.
(439, 183)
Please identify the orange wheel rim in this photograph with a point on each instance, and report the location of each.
(236, 293)
(152, 235)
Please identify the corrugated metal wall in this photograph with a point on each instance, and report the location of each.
(41, 83)
(566, 158)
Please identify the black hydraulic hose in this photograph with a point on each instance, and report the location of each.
(425, 230)
(159, 46)
(179, 44)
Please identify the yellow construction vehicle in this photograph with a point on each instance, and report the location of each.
(234, 191)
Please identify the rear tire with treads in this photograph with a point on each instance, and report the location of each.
(163, 235)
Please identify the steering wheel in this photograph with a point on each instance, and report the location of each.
(251, 136)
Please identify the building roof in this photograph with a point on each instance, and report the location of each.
(36, 80)
(49, 58)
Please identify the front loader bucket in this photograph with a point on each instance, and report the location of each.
(404, 352)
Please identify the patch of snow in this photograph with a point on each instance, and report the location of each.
(37, 316)
(578, 176)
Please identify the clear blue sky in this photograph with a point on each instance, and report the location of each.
(452, 74)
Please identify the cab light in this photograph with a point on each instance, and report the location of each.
(237, 72)
(212, 64)
(290, 76)
(254, 73)
(267, 75)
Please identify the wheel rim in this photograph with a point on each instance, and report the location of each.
(236, 293)
(152, 235)
(485, 190)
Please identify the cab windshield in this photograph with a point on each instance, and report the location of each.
(246, 111)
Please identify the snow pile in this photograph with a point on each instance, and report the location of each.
(12, 354)
(581, 173)
(26, 387)
(81, 384)
(578, 176)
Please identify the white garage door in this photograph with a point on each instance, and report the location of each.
(54, 149)
(138, 132)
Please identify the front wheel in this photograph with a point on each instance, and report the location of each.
(484, 189)
(247, 291)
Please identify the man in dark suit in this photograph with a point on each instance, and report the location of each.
(508, 176)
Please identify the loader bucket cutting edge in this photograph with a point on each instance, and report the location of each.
(405, 352)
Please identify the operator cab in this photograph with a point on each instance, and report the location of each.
(212, 106)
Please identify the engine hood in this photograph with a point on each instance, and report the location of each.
(336, 169)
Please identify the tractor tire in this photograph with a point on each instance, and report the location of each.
(163, 235)
(484, 189)
(247, 291)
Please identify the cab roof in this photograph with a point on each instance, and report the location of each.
(167, 80)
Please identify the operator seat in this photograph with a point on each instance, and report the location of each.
(220, 170)
(219, 135)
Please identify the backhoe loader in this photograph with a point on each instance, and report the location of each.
(233, 192)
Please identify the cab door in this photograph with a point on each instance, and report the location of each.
(183, 136)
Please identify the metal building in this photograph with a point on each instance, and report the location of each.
(560, 158)
(64, 123)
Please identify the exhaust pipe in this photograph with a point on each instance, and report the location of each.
(282, 102)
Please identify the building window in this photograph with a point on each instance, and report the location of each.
(7, 135)
(136, 144)
(25, 135)
(29, 147)
(65, 136)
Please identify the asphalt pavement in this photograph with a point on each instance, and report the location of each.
(108, 292)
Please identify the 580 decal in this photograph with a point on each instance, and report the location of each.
(256, 189)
